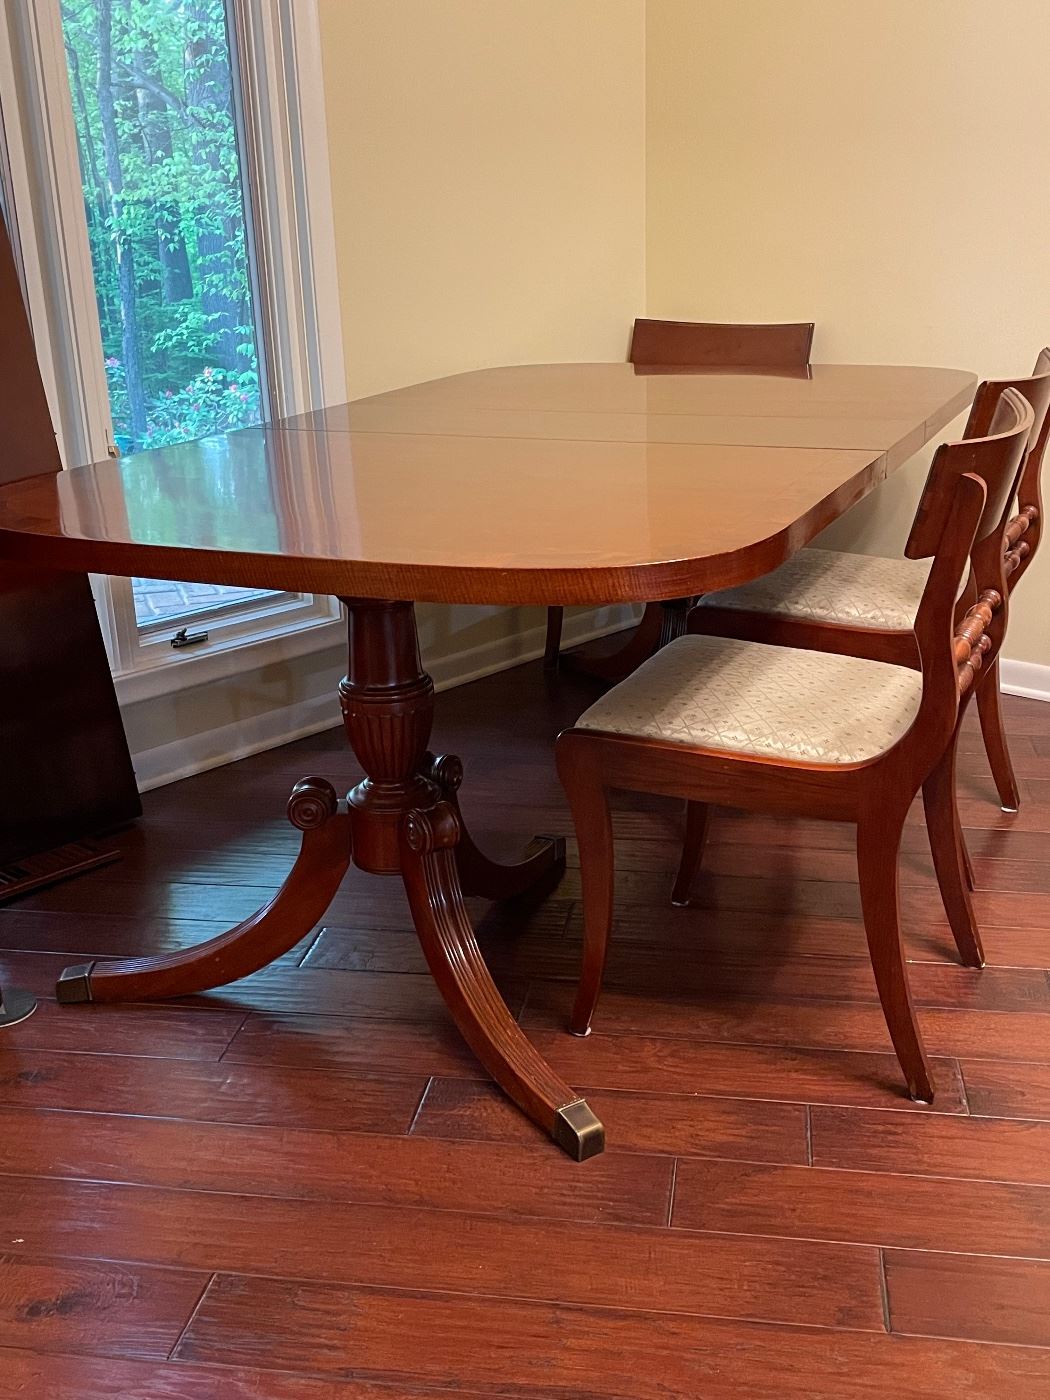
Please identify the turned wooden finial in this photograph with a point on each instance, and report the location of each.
(312, 802)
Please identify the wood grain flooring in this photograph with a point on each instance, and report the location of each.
(302, 1187)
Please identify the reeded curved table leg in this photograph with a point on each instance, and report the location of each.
(298, 905)
(429, 870)
(478, 874)
(401, 819)
(643, 642)
(674, 617)
(552, 643)
(661, 623)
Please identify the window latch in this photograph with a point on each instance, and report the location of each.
(184, 638)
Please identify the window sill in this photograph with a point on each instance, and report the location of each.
(228, 658)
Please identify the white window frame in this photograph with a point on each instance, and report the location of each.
(278, 67)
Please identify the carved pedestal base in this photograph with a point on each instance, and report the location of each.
(402, 819)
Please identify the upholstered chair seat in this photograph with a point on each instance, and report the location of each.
(773, 702)
(825, 585)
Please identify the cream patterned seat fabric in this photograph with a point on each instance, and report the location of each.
(775, 702)
(823, 585)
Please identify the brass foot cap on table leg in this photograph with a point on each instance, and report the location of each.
(15, 1006)
(578, 1132)
(74, 985)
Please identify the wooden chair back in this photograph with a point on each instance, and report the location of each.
(1026, 527)
(705, 344)
(1035, 388)
(961, 515)
(981, 455)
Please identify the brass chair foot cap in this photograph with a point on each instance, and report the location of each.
(74, 985)
(578, 1132)
(15, 1006)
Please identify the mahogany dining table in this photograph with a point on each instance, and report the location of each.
(537, 484)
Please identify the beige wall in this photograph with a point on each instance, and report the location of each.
(488, 187)
(878, 166)
(488, 169)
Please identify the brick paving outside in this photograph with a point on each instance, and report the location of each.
(158, 600)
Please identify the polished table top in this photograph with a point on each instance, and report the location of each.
(575, 483)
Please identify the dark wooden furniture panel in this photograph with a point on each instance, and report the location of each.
(65, 771)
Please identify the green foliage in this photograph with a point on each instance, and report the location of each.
(162, 190)
(215, 402)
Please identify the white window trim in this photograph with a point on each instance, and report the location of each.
(282, 79)
(280, 70)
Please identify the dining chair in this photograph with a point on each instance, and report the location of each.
(864, 605)
(717, 720)
(718, 345)
(697, 345)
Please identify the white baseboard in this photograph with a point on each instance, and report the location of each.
(1026, 678)
(168, 763)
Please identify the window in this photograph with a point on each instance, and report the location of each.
(160, 164)
(170, 158)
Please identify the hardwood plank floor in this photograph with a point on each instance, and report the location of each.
(29, 1374)
(303, 1187)
(678, 1124)
(988, 1149)
(918, 1212)
(999, 1300)
(824, 1283)
(290, 1162)
(587, 1352)
(91, 1306)
(211, 1093)
(1008, 1091)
